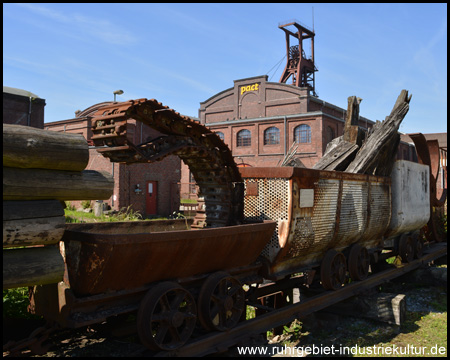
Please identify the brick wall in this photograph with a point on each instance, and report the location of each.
(255, 105)
(76, 126)
(166, 173)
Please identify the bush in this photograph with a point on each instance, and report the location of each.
(69, 205)
(15, 303)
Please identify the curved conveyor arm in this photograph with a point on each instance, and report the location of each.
(208, 158)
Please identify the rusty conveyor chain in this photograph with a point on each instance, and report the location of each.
(208, 158)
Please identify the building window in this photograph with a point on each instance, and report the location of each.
(221, 135)
(330, 134)
(244, 138)
(271, 136)
(302, 134)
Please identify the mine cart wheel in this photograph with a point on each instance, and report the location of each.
(406, 248)
(358, 262)
(333, 270)
(166, 317)
(221, 302)
(418, 246)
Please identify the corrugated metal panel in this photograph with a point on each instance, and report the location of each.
(324, 212)
(311, 232)
(380, 214)
(353, 216)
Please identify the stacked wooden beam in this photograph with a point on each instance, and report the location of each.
(42, 169)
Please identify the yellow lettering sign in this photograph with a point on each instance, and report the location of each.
(253, 87)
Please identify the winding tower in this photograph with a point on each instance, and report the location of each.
(299, 67)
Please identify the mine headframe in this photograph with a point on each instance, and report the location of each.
(300, 67)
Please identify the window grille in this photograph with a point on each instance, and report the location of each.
(244, 138)
(302, 134)
(271, 136)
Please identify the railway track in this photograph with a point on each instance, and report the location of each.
(299, 200)
(221, 341)
(215, 342)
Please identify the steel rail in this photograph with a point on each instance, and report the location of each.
(221, 341)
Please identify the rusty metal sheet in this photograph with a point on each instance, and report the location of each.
(315, 210)
(101, 260)
(428, 154)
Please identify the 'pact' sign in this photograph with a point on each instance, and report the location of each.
(253, 87)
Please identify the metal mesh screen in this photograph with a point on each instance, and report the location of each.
(271, 203)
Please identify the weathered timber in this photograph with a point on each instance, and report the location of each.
(41, 184)
(290, 160)
(37, 231)
(338, 156)
(385, 307)
(28, 147)
(352, 131)
(377, 154)
(17, 210)
(342, 150)
(32, 266)
(38, 222)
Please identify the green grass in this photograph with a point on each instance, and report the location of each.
(250, 312)
(420, 334)
(423, 334)
(125, 214)
(188, 201)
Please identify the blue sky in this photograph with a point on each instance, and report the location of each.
(76, 55)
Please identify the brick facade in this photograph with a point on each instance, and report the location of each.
(254, 104)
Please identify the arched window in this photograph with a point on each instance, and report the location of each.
(271, 136)
(221, 135)
(302, 134)
(330, 134)
(244, 138)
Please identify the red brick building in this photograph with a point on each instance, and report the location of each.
(151, 189)
(260, 120)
